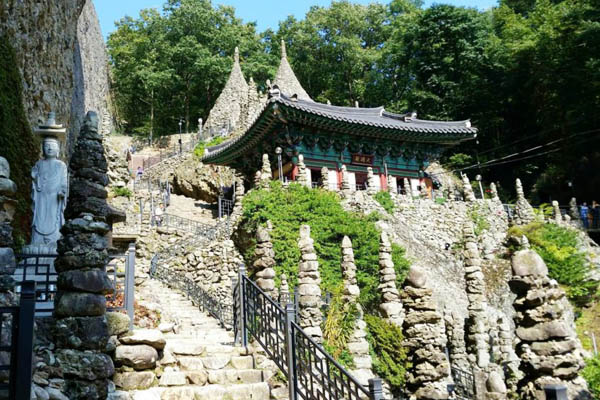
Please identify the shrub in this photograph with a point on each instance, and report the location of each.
(199, 149)
(591, 373)
(480, 223)
(389, 356)
(122, 191)
(338, 327)
(290, 208)
(558, 248)
(385, 199)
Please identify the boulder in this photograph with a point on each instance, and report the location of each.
(118, 323)
(528, 262)
(151, 337)
(134, 380)
(138, 357)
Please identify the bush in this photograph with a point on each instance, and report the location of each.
(199, 149)
(480, 223)
(558, 247)
(385, 199)
(591, 373)
(338, 327)
(122, 191)
(389, 356)
(290, 208)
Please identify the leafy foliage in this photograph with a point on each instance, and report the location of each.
(288, 209)
(389, 354)
(200, 147)
(385, 199)
(558, 247)
(480, 223)
(122, 191)
(591, 373)
(19, 146)
(338, 327)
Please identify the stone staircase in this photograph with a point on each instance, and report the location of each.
(199, 360)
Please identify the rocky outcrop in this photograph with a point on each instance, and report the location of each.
(61, 57)
(82, 280)
(425, 340)
(309, 292)
(391, 306)
(548, 347)
(193, 179)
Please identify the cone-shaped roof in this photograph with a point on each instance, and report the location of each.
(286, 79)
(228, 108)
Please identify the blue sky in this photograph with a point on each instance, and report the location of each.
(266, 13)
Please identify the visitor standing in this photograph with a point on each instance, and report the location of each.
(583, 214)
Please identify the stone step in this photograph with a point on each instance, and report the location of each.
(251, 391)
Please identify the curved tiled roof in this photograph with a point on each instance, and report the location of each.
(368, 122)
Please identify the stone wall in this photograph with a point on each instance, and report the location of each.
(60, 56)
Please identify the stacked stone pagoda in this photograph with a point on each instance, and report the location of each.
(81, 329)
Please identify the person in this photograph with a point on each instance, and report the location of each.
(49, 195)
(139, 173)
(595, 214)
(583, 214)
(158, 214)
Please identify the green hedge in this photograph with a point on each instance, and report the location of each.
(200, 147)
(290, 208)
(385, 199)
(17, 143)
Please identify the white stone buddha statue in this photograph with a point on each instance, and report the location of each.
(49, 194)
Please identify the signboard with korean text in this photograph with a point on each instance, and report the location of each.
(362, 159)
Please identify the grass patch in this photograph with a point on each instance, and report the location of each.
(297, 205)
(385, 199)
(122, 191)
(557, 245)
(591, 373)
(338, 327)
(480, 223)
(200, 147)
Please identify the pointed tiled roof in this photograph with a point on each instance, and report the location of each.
(286, 79)
(228, 107)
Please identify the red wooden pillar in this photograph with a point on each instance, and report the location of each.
(339, 178)
(294, 172)
(383, 181)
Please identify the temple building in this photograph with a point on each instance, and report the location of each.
(398, 147)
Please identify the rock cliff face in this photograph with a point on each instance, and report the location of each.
(61, 57)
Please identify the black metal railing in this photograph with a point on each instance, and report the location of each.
(16, 345)
(40, 268)
(173, 151)
(312, 374)
(464, 383)
(199, 296)
(225, 207)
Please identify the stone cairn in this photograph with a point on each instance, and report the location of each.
(523, 211)
(80, 305)
(357, 343)
(345, 180)
(494, 191)
(457, 348)
(302, 177)
(548, 347)
(265, 261)
(265, 172)
(558, 218)
(425, 340)
(408, 190)
(7, 256)
(284, 290)
(391, 184)
(478, 326)
(309, 292)
(468, 189)
(325, 178)
(239, 197)
(391, 306)
(371, 182)
(573, 210)
(257, 179)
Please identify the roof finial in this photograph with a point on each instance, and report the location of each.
(283, 51)
(236, 55)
